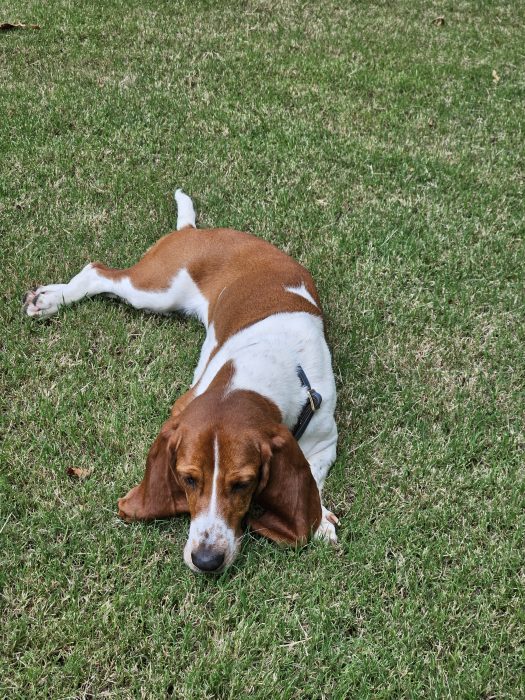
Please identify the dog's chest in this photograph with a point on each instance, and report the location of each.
(265, 358)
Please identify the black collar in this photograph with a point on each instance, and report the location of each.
(311, 406)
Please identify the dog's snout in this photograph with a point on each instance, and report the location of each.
(207, 559)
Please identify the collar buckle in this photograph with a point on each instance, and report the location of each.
(310, 407)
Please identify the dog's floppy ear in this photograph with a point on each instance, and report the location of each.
(159, 494)
(287, 492)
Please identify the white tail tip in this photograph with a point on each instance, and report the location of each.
(185, 210)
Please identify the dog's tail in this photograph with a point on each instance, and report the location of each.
(185, 210)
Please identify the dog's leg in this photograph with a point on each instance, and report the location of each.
(181, 294)
(159, 282)
(326, 529)
(45, 301)
(320, 462)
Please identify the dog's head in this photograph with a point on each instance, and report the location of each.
(215, 467)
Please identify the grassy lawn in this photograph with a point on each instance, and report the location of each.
(383, 149)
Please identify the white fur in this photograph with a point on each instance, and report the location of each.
(210, 342)
(212, 509)
(302, 292)
(185, 210)
(46, 300)
(326, 529)
(181, 295)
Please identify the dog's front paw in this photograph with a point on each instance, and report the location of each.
(326, 530)
(44, 301)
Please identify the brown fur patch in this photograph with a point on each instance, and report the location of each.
(242, 277)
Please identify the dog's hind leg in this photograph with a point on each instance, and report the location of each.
(181, 294)
(46, 300)
(159, 282)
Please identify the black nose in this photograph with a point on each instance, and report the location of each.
(207, 559)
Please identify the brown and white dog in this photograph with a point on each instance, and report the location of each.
(227, 444)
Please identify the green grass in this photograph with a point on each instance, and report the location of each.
(375, 146)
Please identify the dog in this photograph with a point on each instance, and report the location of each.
(252, 440)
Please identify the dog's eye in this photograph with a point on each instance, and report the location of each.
(239, 486)
(190, 481)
